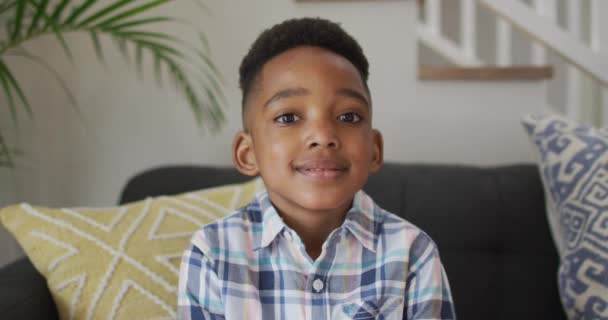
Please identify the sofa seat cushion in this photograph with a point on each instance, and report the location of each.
(120, 262)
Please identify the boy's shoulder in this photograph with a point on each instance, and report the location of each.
(394, 229)
(400, 235)
(231, 232)
(384, 221)
(250, 213)
(393, 224)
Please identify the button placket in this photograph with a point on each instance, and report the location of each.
(319, 281)
(318, 285)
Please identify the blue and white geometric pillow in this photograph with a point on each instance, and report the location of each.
(574, 168)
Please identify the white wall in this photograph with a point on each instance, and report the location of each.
(9, 250)
(134, 125)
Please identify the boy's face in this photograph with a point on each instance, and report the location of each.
(308, 131)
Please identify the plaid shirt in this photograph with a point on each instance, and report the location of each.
(250, 265)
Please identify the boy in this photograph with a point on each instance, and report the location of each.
(312, 245)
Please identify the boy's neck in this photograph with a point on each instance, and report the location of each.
(313, 227)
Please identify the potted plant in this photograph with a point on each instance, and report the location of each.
(128, 23)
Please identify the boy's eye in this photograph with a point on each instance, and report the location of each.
(287, 118)
(349, 117)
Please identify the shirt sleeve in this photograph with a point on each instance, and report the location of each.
(428, 294)
(199, 291)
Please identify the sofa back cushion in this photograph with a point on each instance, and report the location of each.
(489, 224)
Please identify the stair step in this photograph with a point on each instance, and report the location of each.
(432, 72)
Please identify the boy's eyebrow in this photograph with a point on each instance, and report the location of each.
(286, 93)
(299, 91)
(353, 94)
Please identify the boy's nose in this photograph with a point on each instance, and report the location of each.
(323, 135)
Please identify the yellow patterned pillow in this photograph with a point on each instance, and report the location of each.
(120, 262)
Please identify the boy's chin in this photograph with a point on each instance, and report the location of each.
(313, 198)
(323, 202)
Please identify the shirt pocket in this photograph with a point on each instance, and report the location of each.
(387, 308)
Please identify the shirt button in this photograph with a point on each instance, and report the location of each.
(288, 236)
(318, 285)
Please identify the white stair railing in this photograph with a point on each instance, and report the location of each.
(572, 49)
(539, 21)
(429, 32)
(545, 9)
(503, 43)
(574, 95)
(468, 28)
(599, 43)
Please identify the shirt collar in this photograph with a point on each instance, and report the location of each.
(272, 223)
(360, 220)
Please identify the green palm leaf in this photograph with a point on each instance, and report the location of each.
(79, 11)
(127, 23)
(66, 90)
(20, 11)
(40, 10)
(137, 23)
(121, 16)
(14, 85)
(97, 45)
(9, 95)
(59, 10)
(37, 16)
(6, 159)
(7, 5)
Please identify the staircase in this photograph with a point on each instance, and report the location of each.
(570, 31)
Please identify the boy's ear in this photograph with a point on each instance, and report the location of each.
(243, 155)
(377, 151)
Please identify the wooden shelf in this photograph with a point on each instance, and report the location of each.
(431, 72)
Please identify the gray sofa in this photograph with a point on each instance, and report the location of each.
(489, 223)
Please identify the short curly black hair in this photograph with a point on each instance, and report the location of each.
(298, 32)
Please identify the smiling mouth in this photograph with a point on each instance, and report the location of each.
(322, 169)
